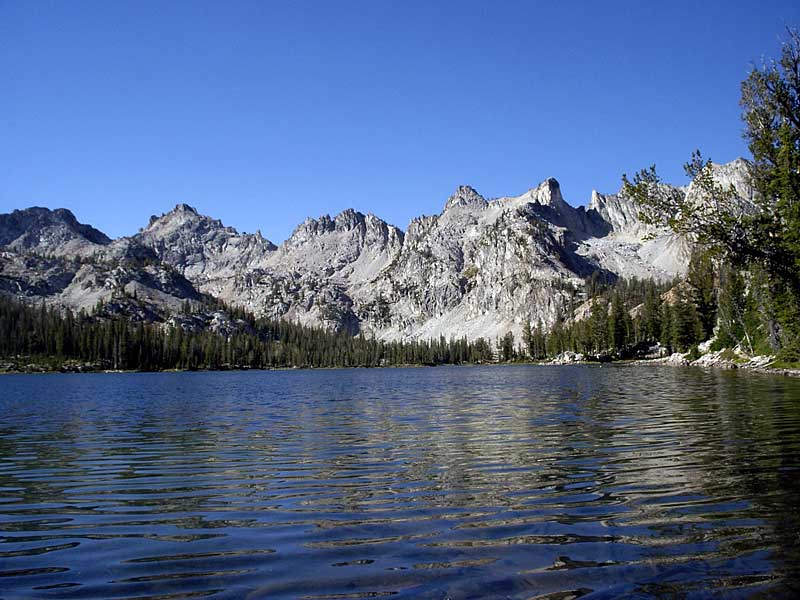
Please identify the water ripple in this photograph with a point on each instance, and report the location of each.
(492, 482)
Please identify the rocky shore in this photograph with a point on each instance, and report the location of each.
(726, 359)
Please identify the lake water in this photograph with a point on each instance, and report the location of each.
(450, 482)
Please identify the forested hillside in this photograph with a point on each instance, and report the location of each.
(41, 337)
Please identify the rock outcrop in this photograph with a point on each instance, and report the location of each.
(202, 248)
(140, 291)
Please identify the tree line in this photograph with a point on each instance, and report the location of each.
(714, 302)
(46, 336)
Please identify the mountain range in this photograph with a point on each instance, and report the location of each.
(479, 268)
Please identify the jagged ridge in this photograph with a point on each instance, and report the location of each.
(477, 269)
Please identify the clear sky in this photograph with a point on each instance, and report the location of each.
(263, 113)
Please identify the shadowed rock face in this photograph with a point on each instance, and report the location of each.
(53, 232)
(140, 291)
(480, 268)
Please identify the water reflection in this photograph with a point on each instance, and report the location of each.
(451, 482)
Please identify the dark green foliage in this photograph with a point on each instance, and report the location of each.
(786, 309)
(747, 312)
(598, 327)
(650, 322)
(732, 307)
(558, 340)
(535, 341)
(620, 324)
(761, 235)
(506, 347)
(44, 336)
(685, 327)
(701, 277)
(665, 332)
(672, 319)
(596, 284)
(771, 112)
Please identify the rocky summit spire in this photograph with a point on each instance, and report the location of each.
(548, 193)
(465, 195)
(182, 207)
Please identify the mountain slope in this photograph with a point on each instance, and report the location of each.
(479, 268)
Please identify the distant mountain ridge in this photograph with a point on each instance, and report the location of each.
(479, 268)
(56, 230)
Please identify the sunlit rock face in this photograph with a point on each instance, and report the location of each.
(479, 268)
(48, 256)
(200, 247)
(631, 248)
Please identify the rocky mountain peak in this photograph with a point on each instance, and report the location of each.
(737, 174)
(548, 205)
(349, 225)
(548, 193)
(182, 212)
(46, 231)
(201, 247)
(349, 219)
(739, 163)
(310, 228)
(184, 208)
(465, 196)
(595, 201)
(184, 219)
(618, 211)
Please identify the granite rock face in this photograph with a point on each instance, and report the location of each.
(201, 248)
(479, 268)
(140, 291)
(53, 232)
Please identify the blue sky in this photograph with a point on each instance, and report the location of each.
(264, 113)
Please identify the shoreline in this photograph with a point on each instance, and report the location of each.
(85, 369)
(41, 370)
(764, 370)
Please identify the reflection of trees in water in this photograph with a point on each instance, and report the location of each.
(536, 430)
(759, 457)
(555, 469)
(669, 457)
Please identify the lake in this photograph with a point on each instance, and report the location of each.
(448, 482)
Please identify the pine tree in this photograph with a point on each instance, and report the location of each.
(686, 327)
(618, 323)
(701, 277)
(651, 316)
(598, 327)
(506, 347)
(763, 234)
(527, 339)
